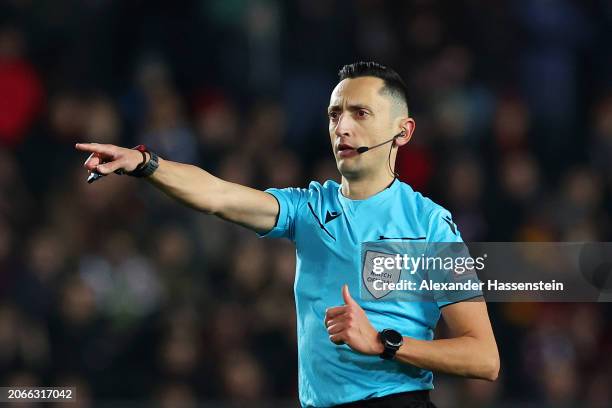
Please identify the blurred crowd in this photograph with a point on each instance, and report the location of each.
(121, 292)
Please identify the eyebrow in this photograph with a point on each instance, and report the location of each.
(352, 108)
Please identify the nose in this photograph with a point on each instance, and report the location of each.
(343, 127)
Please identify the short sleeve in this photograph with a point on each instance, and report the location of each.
(289, 202)
(446, 242)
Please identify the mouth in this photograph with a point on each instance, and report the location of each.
(346, 150)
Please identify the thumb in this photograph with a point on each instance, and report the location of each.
(346, 295)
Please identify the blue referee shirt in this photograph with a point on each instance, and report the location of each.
(328, 230)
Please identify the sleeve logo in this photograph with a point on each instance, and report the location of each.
(451, 224)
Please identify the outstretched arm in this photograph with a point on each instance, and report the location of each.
(191, 186)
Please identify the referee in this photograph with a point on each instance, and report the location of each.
(351, 352)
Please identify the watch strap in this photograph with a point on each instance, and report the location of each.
(145, 168)
(388, 353)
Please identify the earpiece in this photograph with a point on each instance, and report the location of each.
(364, 149)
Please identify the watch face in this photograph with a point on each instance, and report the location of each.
(392, 338)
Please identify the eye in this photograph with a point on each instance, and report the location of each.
(333, 115)
(362, 113)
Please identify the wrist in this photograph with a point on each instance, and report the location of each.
(379, 347)
(148, 165)
(140, 159)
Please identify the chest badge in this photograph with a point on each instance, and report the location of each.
(376, 278)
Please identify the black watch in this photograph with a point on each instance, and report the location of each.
(392, 341)
(146, 168)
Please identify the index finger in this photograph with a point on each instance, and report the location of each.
(93, 148)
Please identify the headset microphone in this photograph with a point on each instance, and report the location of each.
(364, 149)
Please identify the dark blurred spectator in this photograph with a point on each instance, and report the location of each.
(123, 282)
(282, 168)
(464, 189)
(243, 378)
(518, 189)
(35, 285)
(167, 131)
(511, 126)
(554, 33)
(578, 216)
(175, 395)
(15, 200)
(218, 124)
(102, 124)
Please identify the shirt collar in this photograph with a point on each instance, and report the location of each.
(372, 200)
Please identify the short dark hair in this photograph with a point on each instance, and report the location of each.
(394, 85)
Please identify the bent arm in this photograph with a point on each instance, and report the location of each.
(470, 352)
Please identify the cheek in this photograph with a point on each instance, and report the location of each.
(377, 127)
(332, 127)
(381, 133)
(332, 135)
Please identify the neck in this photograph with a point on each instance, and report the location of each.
(363, 188)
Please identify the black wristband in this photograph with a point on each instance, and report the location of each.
(146, 169)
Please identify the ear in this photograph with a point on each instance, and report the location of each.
(408, 126)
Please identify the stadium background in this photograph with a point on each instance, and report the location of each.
(116, 289)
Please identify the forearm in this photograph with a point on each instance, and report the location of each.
(465, 356)
(188, 184)
(201, 190)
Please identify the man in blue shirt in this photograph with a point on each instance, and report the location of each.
(352, 349)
